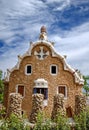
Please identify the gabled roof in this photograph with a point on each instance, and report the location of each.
(43, 40)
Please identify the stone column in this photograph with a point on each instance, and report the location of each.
(80, 103)
(37, 107)
(58, 107)
(15, 104)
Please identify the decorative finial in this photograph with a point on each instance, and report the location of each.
(43, 34)
(43, 29)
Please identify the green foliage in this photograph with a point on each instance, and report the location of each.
(13, 123)
(87, 119)
(47, 125)
(62, 123)
(38, 125)
(80, 121)
(2, 112)
(86, 84)
(42, 124)
(1, 87)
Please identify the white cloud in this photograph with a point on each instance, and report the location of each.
(60, 5)
(63, 6)
(17, 14)
(75, 44)
(23, 18)
(57, 1)
(77, 2)
(9, 58)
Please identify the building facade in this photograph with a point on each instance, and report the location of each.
(42, 70)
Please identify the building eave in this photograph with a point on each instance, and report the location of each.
(67, 67)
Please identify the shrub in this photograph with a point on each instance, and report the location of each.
(38, 125)
(43, 123)
(2, 112)
(62, 123)
(87, 119)
(13, 123)
(80, 121)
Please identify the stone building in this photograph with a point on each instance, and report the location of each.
(42, 70)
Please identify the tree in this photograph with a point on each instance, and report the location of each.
(86, 84)
(1, 87)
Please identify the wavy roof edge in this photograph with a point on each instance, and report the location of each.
(78, 77)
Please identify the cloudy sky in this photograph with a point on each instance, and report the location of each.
(67, 23)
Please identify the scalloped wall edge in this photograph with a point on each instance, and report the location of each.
(67, 67)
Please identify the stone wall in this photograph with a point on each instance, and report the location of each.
(41, 69)
(37, 107)
(15, 103)
(58, 107)
(80, 103)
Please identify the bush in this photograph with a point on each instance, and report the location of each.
(87, 119)
(2, 112)
(38, 125)
(13, 123)
(62, 123)
(80, 121)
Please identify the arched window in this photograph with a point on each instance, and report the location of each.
(28, 70)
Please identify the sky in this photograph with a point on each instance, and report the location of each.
(67, 23)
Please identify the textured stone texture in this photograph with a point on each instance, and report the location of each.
(80, 103)
(6, 94)
(15, 103)
(58, 107)
(37, 107)
(41, 69)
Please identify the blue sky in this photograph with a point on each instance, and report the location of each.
(67, 23)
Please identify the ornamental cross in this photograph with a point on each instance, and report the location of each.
(41, 55)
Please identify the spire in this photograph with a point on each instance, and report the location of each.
(43, 29)
(43, 34)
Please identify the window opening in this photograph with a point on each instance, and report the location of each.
(29, 69)
(43, 91)
(21, 90)
(62, 89)
(53, 69)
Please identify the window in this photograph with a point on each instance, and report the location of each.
(53, 69)
(69, 112)
(63, 90)
(28, 70)
(20, 89)
(43, 91)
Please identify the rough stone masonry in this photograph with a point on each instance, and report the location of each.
(80, 103)
(37, 106)
(15, 104)
(58, 107)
